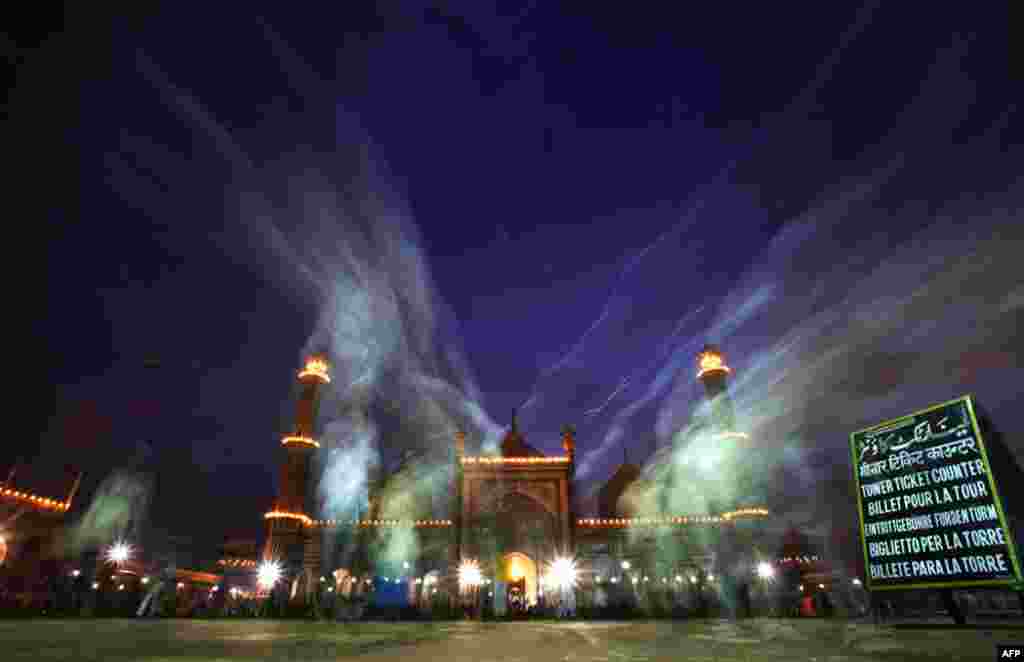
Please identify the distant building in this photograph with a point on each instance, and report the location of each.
(34, 501)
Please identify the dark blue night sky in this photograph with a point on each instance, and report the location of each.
(830, 191)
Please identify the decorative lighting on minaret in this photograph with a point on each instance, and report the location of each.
(311, 377)
(713, 372)
(711, 362)
(316, 367)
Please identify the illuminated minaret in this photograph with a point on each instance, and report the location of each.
(286, 520)
(713, 373)
(743, 467)
(455, 507)
(569, 446)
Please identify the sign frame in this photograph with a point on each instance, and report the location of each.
(1014, 582)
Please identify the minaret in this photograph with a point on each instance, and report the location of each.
(744, 468)
(713, 372)
(455, 512)
(288, 516)
(569, 446)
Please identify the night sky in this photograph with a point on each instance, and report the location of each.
(586, 193)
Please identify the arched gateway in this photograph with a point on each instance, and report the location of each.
(521, 576)
(516, 513)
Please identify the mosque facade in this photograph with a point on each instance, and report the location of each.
(512, 515)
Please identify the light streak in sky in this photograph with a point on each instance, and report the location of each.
(839, 298)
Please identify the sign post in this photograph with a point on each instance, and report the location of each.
(930, 512)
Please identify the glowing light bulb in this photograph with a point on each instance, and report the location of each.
(269, 573)
(469, 573)
(119, 552)
(563, 572)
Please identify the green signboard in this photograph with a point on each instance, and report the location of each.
(930, 512)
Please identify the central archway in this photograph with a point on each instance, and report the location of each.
(518, 567)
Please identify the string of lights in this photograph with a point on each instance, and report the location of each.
(483, 459)
(683, 519)
(382, 522)
(35, 500)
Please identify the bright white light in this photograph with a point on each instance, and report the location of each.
(856, 582)
(323, 579)
(269, 573)
(615, 580)
(405, 565)
(821, 586)
(711, 577)
(679, 579)
(801, 587)
(625, 565)
(635, 580)
(562, 572)
(469, 573)
(765, 570)
(120, 587)
(598, 578)
(181, 584)
(95, 585)
(693, 579)
(119, 552)
(214, 589)
(330, 589)
(75, 573)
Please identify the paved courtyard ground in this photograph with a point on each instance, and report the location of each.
(700, 641)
